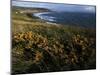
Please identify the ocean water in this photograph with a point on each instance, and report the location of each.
(69, 18)
(67, 14)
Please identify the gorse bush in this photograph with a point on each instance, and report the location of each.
(53, 54)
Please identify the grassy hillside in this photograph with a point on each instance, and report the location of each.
(38, 46)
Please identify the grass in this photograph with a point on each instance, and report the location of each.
(41, 47)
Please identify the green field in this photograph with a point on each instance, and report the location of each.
(38, 46)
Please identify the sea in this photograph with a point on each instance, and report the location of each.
(62, 13)
(81, 19)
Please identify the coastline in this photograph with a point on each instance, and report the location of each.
(35, 42)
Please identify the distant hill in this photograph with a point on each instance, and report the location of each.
(29, 10)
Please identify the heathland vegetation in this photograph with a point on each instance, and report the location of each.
(38, 46)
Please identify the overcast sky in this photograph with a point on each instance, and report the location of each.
(56, 7)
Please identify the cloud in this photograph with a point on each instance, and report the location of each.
(90, 8)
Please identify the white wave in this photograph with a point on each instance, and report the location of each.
(47, 18)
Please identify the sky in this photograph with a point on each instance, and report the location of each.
(55, 6)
